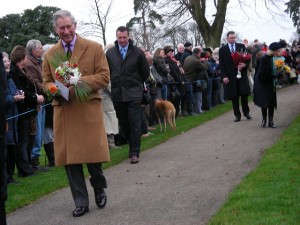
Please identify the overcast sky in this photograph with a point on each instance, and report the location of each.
(252, 26)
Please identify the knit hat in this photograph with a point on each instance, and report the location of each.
(275, 46)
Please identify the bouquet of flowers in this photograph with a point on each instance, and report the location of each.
(68, 73)
(52, 92)
(240, 57)
(281, 67)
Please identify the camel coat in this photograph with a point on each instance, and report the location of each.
(79, 130)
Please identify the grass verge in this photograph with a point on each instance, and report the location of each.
(271, 193)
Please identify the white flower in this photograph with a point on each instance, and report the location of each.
(76, 77)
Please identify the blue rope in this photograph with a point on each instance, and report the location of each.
(21, 114)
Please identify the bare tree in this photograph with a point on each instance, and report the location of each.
(210, 16)
(96, 27)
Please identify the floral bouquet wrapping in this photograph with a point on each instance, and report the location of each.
(240, 57)
(52, 92)
(281, 67)
(68, 73)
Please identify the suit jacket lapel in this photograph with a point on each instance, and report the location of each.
(79, 49)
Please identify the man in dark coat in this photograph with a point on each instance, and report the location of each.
(3, 178)
(128, 70)
(236, 88)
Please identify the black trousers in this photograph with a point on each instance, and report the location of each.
(2, 212)
(10, 161)
(269, 111)
(129, 117)
(236, 106)
(77, 181)
(24, 147)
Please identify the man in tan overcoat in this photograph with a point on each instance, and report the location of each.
(79, 131)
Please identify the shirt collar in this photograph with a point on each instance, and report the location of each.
(126, 48)
(72, 44)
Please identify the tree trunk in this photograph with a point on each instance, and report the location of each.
(211, 33)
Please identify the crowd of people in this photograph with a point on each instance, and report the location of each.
(195, 79)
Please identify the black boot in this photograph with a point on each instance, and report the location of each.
(264, 116)
(49, 149)
(264, 122)
(271, 123)
(35, 162)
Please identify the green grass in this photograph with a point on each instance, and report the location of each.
(271, 193)
(32, 188)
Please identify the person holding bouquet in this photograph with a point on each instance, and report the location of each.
(234, 62)
(79, 131)
(270, 68)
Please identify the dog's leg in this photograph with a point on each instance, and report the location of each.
(169, 118)
(174, 121)
(159, 121)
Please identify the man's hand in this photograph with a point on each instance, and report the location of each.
(225, 80)
(241, 66)
(40, 98)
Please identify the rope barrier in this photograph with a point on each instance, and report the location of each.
(24, 113)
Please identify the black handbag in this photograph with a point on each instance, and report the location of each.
(146, 95)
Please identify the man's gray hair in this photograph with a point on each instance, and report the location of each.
(32, 44)
(62, 14)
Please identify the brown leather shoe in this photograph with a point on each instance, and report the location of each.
(134, 159)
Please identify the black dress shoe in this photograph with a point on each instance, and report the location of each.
(134, 159)
(100, 197)
(237, 119)
(249, 117)
(80, 211)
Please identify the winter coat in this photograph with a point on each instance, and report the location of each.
(79, 130)
(110, 117)
(34, 70)
(264, 89)
(11, 111)
(3, 88)
(184, 55)
(174, 70)
(235, 87)
(127, 76)
(160, 66)
(25, 83)
(192, 66)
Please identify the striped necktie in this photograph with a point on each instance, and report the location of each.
(232, 49)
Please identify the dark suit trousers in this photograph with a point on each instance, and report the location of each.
(2, 212)
(129, 116)
(236, 107)
(77, 181)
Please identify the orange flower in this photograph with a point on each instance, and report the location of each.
(53, 89)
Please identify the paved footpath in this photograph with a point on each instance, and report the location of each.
(183, 181)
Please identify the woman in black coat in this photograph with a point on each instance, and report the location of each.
(28, 109)
(265, 84)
